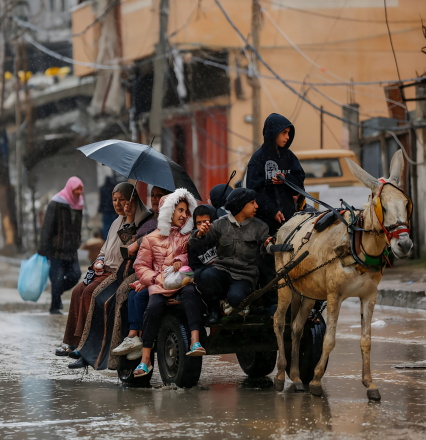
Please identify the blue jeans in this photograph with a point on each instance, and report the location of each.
(215, 284)
(64, 275)
(137, 303)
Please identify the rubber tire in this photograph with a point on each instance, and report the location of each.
(125, 374)
(307, 362)
(186, 370)
(257, 364)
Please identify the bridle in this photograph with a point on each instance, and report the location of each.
(392, 231)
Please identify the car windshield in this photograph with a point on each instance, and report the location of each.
(320, 168)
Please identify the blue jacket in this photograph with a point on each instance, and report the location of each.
(265, 164)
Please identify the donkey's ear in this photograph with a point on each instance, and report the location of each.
(367, 179)
(396, 168)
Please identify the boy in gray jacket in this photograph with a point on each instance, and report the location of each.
(238, 237)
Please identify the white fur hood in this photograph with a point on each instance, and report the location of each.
(167, 208)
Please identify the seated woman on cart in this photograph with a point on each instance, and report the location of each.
(239, 238)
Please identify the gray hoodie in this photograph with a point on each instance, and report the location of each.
(237, 244)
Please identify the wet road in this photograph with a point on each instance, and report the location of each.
(42, 399)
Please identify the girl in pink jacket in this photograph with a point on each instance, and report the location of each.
(167, 246)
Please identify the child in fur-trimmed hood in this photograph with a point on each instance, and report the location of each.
(165, 247)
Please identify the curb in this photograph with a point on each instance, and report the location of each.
(11, 261)
(401, 298)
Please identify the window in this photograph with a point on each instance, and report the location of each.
(321, 168)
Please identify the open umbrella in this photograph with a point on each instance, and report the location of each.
(141, 162)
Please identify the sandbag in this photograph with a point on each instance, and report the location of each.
(33, 277)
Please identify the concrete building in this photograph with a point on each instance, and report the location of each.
(208, 128)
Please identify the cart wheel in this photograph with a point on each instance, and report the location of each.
(126, 368)
(257, 364)
(173, 343)
(310, 348)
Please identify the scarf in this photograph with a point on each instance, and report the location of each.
(67, 197)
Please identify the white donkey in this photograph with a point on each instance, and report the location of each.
(385, 219)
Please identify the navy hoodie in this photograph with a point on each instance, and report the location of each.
(265, 164)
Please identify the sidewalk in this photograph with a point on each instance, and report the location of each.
(404, 285)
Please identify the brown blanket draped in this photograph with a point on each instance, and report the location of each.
(79, 307)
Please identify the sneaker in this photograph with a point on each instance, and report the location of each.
(245, 312)
(226, 307)
(133, 355)
(127, 346)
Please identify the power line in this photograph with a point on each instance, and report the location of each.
(294, 45)
(272, 71)
(67, 59)
(403, 149)
(357, 20)
(330, 84)
(390, 38)
(28, 25)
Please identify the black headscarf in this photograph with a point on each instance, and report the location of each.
(239, 198)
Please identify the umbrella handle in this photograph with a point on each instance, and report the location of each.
(131, 197)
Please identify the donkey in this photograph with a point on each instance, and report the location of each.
(385, 221)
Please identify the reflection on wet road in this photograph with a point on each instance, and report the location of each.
(42, 399)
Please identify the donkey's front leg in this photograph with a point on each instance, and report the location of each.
(367, 308)
(284, 300)
(296, 334)
(334, 301)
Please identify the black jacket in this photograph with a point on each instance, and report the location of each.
(200, 254)
(265, 164)
(238, 246)
(61, 232)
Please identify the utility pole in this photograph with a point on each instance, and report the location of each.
(160, 66)
(2, 52)
(18, 143)
(30, 146)
(255, 83)
(322, 128)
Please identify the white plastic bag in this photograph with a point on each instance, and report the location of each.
(33, 277)
(175, 280)
(172, 279)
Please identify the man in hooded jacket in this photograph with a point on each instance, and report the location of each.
(275, 200)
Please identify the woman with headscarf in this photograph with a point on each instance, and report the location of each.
(60, 239)
(103, 331)
(108, 260)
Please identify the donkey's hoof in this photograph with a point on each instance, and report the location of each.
(374, 394)
(278, 384)
(316, 390)
(298, 387)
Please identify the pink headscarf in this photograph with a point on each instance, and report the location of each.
(66, 195)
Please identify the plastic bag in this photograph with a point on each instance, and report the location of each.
(175, 280)
(186, 275)
(33, 277)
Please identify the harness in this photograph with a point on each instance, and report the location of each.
(371, 262)
(393, 231)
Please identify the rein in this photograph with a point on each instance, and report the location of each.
(393, 231)
(351, 226)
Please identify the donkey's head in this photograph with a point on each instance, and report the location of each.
(391, 205)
